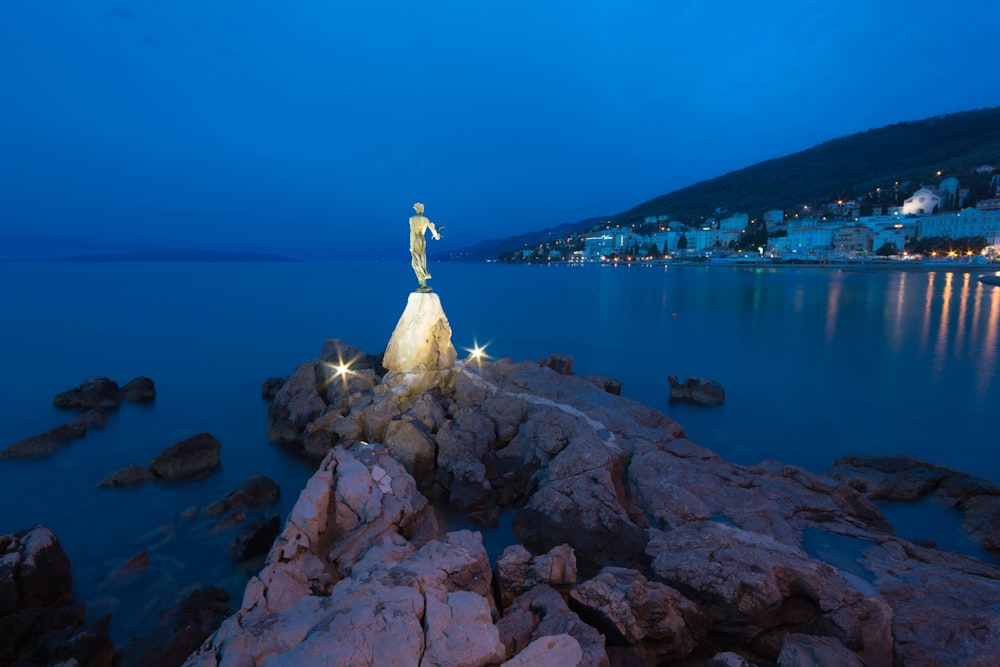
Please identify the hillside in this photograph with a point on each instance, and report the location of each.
(844, 168)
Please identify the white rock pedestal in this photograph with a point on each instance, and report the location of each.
(422, 337)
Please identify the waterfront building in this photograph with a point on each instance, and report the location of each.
(852, 239)
(811, 238)
(924, 201)
(969, 222)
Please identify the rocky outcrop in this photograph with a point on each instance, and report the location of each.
(696, 390)
(270, 388)
(677, 555)
(188, 458)
(39, 622)
(45, 443)
(180, 630)
(255, 492)
(422, 337)
(101, 392)
(900, 478)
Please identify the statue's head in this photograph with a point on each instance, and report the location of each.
(419, 208)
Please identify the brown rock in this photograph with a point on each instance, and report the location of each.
(560, 363)
(95, 392)
(297, 403)
(197, 455)
(139, 390)
(133, 475)
(255, 492)
(256, 538)
(610, 385)
(517, 571)
(799, 650)
(270, 388)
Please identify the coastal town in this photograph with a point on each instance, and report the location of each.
(944, 220)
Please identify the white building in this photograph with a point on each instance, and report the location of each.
(811, 238)
(967, 223)
(892, 235)
(596, 247)
(923, 202)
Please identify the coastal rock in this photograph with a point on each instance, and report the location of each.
(255, 492)
(542, 612)
(45, 443)
(196, 455)
(756, 552)
(270, 388)
(517, 571)
(900, 478)
(139, 390)
(659, 623)
(95, 392)
(696, 390)
(422, 337)
(356, 577)
(552, 651)
(39, 622)
(256, 538)
(180, 629)
(755, 589)
(132, 475)
(799, 650)
(296, 404)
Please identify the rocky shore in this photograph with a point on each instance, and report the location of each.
(636, 546)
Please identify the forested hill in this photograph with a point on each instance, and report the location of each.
(845, 168)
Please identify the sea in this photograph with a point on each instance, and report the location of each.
(817, 363)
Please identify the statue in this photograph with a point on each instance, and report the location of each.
(418, 245)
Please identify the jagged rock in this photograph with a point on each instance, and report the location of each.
(422, 337)
(134, 565)
(756, 589)
(296, 404)
(256, 538)
(560, 363)
(727, 659)
(255, 492)
(45, 443)
(798, 650)
(270, 388)
(551, 651)
(39, 622)
(696, 390)
(901, 478)
(657, 621)
(196, 455)
(356, 577)
(517, 571)
(132, 475)
(139, 390)
(95, 392)
(410, 443)
(541, 612)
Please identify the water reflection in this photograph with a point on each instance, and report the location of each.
(941, 344)
(925, 327)
(963, 306)
(832, 306)
(897, 329)
(987, 363)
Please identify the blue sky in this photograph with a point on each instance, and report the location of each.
(309, 128)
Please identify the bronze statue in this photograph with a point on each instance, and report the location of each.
(418, 245)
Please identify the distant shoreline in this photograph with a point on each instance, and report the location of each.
(170, 255)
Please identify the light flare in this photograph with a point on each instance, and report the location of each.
(477, 352)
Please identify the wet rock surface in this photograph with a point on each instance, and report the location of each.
(46, 443)
(696, 390)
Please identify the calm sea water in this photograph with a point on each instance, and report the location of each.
(816, 364)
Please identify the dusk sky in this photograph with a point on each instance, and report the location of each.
(309, 128)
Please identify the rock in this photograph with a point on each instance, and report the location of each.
(139, 390)
(96, 392)
(798, 650)
(135, 565)
(270, 388)
(133, 475)
(356, 577)
(517, 571)
(610, 385)
(696, 390)
(45, 443)
(900, 478)
(39, 622)
(755, 590)
(255, 492)
(197, 455)
(541, 612)
(560, 363)
(727, 659)
(422, 337)
(410, 443)
(660, 623)
(551, 650)
(180, 630)
(296, 404)
(256, 538)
